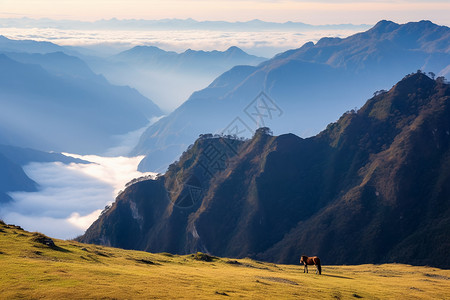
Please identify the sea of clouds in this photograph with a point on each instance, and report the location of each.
(261, 43)
(71, 197)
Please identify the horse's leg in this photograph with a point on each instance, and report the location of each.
(317, 269)
(306, 267)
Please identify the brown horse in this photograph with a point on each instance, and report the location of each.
(311, 261)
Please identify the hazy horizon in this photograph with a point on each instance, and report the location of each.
(312, 12)
(111, 37)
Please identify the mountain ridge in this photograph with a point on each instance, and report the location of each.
(157, 57)
(167, 76)
(295, 81)
(34, 84)
(184, 24)
(31, 46)
(363, 188)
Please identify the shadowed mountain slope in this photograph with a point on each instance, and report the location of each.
(372, 187)
(54, 102)
(12, 176)
(166, 76)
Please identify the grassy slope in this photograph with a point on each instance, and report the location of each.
(73, 270)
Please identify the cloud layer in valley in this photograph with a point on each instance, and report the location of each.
(71, 196)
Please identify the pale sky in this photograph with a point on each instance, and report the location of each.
(312, 12)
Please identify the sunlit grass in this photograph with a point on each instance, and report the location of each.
(77, 271)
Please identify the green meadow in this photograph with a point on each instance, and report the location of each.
(30, 269)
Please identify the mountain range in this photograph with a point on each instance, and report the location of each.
(195, 61)
(28, 46)
(168, 24)
(169, 77)
(301, 90)
(54, 102)
(372, 187)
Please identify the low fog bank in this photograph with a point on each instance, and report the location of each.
(125, 143)
(70, 197)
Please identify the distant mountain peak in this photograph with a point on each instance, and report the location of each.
(400, 99)
(417, 79)
(421, 25)
(383, 23)
(425, 22)
(234, 49)
(385, 26)
(143, 48)
(327, 41)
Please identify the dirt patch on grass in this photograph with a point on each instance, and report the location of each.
(246, 265)
(14, 227)
(204, 257)
(221, 293)
(437, 276)
(147, 262)
(279, 279)
(43, 239)
(104, 254)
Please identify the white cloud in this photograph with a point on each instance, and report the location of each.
(126, 142)
(83, 222)
(54, 227)
(264, 43)
(71, 196)
(114, 171)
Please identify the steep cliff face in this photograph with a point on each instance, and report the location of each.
(153, 214)
(372, 187)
